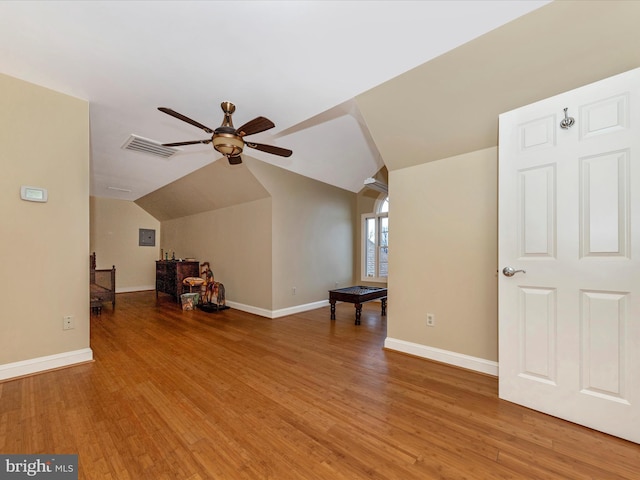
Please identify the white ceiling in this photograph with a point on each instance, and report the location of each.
(299, 63)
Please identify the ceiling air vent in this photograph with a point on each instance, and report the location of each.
(144, 145)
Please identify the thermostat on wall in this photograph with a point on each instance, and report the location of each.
(33, 194)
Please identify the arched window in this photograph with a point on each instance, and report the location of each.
(383, 207)
(375, 242)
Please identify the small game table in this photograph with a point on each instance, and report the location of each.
(357, 295)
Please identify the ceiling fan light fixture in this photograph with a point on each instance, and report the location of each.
(228, 144)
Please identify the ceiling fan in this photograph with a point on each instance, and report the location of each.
(228, 140)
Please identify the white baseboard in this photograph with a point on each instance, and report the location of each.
(283, 312)
(41, 364)
(140, 288)
(263, 312)
(444, 356)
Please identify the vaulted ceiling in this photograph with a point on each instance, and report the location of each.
(451, 104)
(299, 63)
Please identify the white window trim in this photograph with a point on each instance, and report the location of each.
(363, 238)
(379, 202)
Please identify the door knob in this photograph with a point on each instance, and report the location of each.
(510, 271)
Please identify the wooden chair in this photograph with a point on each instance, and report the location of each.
(102, 285)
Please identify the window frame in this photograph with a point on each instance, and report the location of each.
(377, 217)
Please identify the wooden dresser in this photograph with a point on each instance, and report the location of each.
(171, 273)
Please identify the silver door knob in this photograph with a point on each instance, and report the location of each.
(510, 271)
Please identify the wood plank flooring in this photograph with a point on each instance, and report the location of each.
(229, 395)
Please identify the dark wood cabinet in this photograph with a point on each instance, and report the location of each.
(171, 273)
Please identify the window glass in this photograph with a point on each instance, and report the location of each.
(375, 247)
(370, 247)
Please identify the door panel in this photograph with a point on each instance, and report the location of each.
(569, 216)
(603, 323)
(538, 334)
(537, 198)
(604, 203)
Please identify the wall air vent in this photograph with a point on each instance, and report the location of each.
(144, 145)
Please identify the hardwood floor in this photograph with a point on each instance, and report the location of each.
(229, 395)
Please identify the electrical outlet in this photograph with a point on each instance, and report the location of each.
(68, 323)
(431, 320)
(293, 291)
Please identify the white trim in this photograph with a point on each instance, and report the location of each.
(444, 356)
(141, 288)
(249, 309)
(263, 312)
(41, 364)
(363, 245)
(379, 202)
(299, 308)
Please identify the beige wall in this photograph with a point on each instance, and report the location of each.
(301, 236)
(450, 105)
(44, 246)
(443, 255)
(440, 150)
(114, 235)
(313, 234)
(236, 241)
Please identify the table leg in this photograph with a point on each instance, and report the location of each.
(384, 307)
(358, 312)
(333, 309)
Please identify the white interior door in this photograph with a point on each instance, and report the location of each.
(569, 216)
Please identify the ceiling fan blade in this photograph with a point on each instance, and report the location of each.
(257, 125)
(283, 152)
(179, 116)
(192, 142)
(237, 160)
